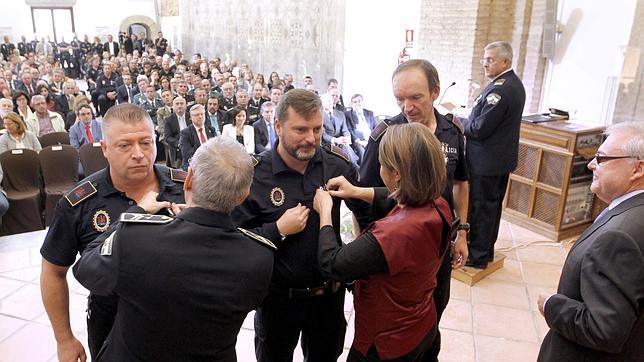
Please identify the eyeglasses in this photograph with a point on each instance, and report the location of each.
(487, 61)
(601, 158)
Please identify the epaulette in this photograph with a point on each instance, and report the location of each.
(80, 193)
(500, 81)
(254, 160)
(131, 217)
(338, 151)
(380, 130)
(258, 238)
(455, 121)
(178, 175)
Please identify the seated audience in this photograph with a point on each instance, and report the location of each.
(21, 104)
(86, 130)
(44, 121)
(43, 90)
(396, 259)
(192, 137)
(239, 130)
(17, 136)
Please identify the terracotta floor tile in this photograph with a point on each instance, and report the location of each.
(495, 349)
(19, 346)
(541, 274)
(8, 286)
(28, 274)
(542, 326)
(456, 346)
(553, 255)
(498, 292)
(510, 272)
(522, 235)
(457, 316)
(510, 323)
(460, 291)
(13, 260)
(535, 290)
(25, 303)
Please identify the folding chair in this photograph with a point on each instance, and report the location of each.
(21, 182)
(91, 158)
(56, 138)
(59, 165)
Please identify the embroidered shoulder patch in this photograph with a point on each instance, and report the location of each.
(500, 81)
(338, 151)
(455, 121)
(255, 160)
(258, 238)
(80, 193)
(380, 130)
(131, 217)
(178, 175)
(492, 99)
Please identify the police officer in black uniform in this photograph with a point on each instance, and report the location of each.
(89, 209)
(25, 47)
(6, 48)
(86, 48)
(416, 86)
(106, 88)
(492, 131)
(286, 178)
(184, 293)
(161, 44)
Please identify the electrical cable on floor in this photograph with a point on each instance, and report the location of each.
(542, 243)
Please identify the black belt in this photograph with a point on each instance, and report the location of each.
(328, 288)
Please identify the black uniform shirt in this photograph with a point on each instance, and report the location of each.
(277, 188)
(452, 142)
(73, 227)
(105, 84)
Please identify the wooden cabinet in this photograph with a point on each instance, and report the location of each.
(549, 192)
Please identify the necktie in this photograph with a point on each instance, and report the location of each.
(31, 90)
(214, 123)
(271, 134)
(202, 136)
(88, 131)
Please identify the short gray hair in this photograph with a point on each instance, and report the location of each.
(222, 173)
(505, 49)
(196, 108)
(37, 98)
(634, 146)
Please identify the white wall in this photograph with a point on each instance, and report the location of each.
(374, 36)
(90, 17)
(588, 57)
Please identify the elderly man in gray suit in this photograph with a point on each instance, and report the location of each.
(598, 311)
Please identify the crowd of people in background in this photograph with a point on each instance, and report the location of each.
(41, 79)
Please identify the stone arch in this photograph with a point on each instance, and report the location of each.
(152, 26)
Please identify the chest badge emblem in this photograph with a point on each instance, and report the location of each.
(277, 196)
(101, 221)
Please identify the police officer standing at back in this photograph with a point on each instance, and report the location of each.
(90, 208)
(286, 179)
(416, 87)
(492, 132)
(184, 293)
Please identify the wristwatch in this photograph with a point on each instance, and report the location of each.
(465, 227)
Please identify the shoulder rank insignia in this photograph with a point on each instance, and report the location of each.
(131, 217)
(380, 130)
(106, 248)
(258, 238)
(455, 121)
(178, 175)
(338, 151)
(254, 160)
(500, 81)
(80, 193)
(492, 99)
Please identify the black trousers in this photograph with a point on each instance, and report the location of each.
(416, 355)
(279, 321)
(486, 204)
(101, 312)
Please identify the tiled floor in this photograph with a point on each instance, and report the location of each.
(496, 320)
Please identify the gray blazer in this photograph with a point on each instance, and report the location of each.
(30, 141)
(597, 313)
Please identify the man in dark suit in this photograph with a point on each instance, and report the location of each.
(492, 133)
(228, 100)
(174, 124)
(215, 116)
(336, 131)
(194, 135)
(264, 128)
(360, 122)
(598, 311)
(111, 46)
(65, 102)
(127, 90)
(28, 85)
